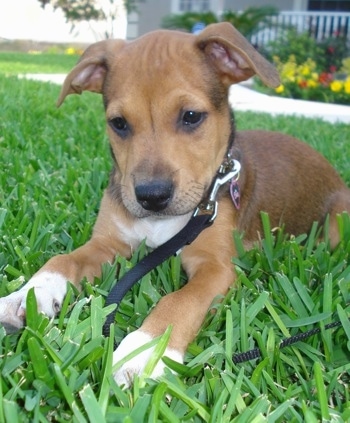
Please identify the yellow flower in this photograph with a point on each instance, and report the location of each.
(70, 50)
(346, 65)
(311, 83)
(287, 70)
(347, 86)
(336, 86)
(304, 70)
(279, 89)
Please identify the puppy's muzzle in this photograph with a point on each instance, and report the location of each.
(154, 195)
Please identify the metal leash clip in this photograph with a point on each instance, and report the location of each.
(227, 171)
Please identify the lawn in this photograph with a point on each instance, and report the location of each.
(12, 63)
(55, 164)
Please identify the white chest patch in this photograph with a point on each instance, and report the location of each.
(154, 230)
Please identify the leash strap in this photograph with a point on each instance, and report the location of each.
(256, 353)
(203, 216)
(188, 234)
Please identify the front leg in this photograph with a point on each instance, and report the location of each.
(208, 264)
(50, 282)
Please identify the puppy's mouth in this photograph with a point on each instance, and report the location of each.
(161, 198)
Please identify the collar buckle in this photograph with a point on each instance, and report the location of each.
(228, 171)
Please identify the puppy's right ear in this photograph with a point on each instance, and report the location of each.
(90, 72)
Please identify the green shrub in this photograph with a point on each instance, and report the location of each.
(328, 54)
(334, 50)
(248, 22)
(290, 42)
(186, 21)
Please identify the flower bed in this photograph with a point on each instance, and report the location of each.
(311, 69)
(304, 81)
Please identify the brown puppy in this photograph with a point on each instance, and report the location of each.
(169, 123)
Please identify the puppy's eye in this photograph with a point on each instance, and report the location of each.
(191, 119)
(120, 126)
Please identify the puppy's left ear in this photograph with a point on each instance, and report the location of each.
(234, 57)
(90, 72)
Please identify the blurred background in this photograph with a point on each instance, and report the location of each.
(90, 20)
(308, 40)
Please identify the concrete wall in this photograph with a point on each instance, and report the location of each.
(151, 13)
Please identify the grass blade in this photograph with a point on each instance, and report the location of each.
(321, 391)
(91, 405)
(71, 401)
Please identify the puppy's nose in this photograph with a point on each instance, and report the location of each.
(154, 195)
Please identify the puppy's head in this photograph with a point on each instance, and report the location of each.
(168, 119)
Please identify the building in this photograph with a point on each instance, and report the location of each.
(27, 20)
(151, 12)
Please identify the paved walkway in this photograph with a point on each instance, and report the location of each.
(245, 99)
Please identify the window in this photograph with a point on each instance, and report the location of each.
(194, 5)
(330, 5)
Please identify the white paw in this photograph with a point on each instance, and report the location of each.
(135, 366)
(50, 289)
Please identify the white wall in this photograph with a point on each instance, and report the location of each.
(26, 20)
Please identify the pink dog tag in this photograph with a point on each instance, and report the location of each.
(235, 194)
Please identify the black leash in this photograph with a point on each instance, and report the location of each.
(203, 216)
(256, 353)
(188, 234)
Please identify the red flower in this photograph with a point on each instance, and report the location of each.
(302, 83)
(332, 69)
(325, 78)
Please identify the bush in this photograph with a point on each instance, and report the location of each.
(248, 22)
(334, 50)
(301, 46)
(311, 70)
(186, 21)
(251, 20)
(328, 53)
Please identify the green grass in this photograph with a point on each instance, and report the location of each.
(54, 166)
(12, 63)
